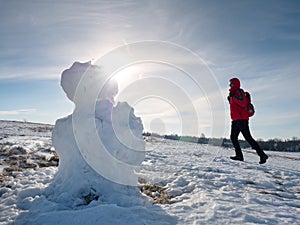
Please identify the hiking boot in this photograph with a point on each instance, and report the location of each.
(237, 158)
(263, 159)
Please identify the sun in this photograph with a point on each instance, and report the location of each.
(127, 76)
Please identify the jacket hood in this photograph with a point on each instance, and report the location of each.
(236, 84)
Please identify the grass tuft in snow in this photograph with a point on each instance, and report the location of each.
(156, 192)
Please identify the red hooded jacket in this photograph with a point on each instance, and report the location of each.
(237, 101)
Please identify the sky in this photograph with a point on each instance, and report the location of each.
(256, 41)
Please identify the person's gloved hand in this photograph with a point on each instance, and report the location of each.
(231, 94)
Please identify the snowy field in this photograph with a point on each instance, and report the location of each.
(200, 184)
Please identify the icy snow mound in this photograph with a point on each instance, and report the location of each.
(99, 145)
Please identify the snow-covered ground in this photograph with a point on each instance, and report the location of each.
(202, 185)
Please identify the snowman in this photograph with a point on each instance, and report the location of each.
(100, 145)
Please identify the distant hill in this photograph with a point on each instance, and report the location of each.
(20, 128)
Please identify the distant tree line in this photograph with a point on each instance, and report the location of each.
(289, 145)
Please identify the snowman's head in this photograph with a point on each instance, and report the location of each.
(71, 77)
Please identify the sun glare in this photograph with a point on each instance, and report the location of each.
(127, 76)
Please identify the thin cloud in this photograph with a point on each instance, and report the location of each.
(17, 112)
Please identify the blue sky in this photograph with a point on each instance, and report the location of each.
(257, 41)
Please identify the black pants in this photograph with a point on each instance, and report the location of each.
(238, 126)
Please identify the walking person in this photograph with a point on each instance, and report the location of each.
(240, 122)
